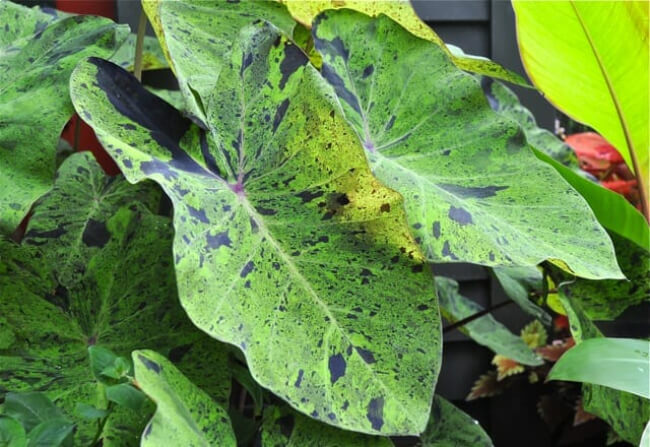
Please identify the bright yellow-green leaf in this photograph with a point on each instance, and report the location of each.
(402, 12)
(590, 59)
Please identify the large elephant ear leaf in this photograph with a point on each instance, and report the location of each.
(283, 427)
(286, 246)
(185, 414)
(402, 12)
(37, 55)
(118, 294)
(449, 426)
(473, 190)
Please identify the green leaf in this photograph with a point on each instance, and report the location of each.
(451, 427)
(619, 363)
(603, 48)
(185, 414)
(30, 409)
(627, 413)
(173, 97)
(86, 411)
(313, 261)
(283, 427)
(37, 55)
(126, 395)
(606, 300)
(518, 282)
(51, 433)
(402, 12)
(100, 360)
(505, 101)
(152, 55)
(473, 190)
(645, 439)
(119, 294)
(485, 330)
(12, 433)
(612, 210)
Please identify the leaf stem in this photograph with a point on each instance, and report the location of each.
(139, 43)
(475, 316)
(77, 131)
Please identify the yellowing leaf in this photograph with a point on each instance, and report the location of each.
(534, 334)
(506, 367)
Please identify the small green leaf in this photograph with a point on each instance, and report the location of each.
(37, 55)
(30, 409)
(51, 433)
(101, 359)
(485, 330)
(451, 427)
(619, 363)
(473, 191)
(185, 415)
(126, 395)
(284, 427)
(518, 282)
(86, 411)
(12, 433)
(118, 370)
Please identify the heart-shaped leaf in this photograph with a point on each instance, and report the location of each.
(185, 414)
(473, 190)
(121, 295)
(37, 55)
(486, 330)
(285, 246)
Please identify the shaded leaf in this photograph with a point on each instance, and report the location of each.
(485, 386)
(518, 282)
(283, 427)
(506, 367)
(315, 265)
(51, 433)
(450, 427)
(473, 191)
(555, 350)
(120, 297)
(603, 48)
(152, 55)
(37, 55)
(125, 395)
(619, 363)
(402, 12)
(30, 409)
(12, 433)
(606, 300)
(581, 416)
(87, 411)
(185, 414)
(626, 413)
(486, 330)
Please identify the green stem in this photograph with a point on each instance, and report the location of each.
(139, 43)
(102, 424)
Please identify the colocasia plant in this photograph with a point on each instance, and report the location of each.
(259, 272)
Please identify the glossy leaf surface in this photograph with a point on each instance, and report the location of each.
(401, 12)
(275, 199)
(601, 47)
(37, 55)
(123, 270)
(473, 190)
(619, 363)
(486, 330)
(450, 427)
(185, 414)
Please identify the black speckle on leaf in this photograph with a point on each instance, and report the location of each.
(218, 240)
(293, 59)
(339, 86)
(299, 379)
(337, 367)
(279, 113)
(265, 211)
(384, 208)
(460, 215)
(198, 214)
(250, 265)
(308, 196)
(446, 251)
(150, 364)
(436, 230)
(375, 413)
(95, 234)
(368, 70)
(472, 192)
(366, 355)
(343, 199)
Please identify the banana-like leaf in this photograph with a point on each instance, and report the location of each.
(612, 210)
(606, 300)
(37, 55)
(505, 101)
(153, 57)
(402, 12)
(450, 427)
(619, 363)
(602, 47)
(123, 298)
(285, 246)
(185, 414)
(473, 190)
(283, 427)
(486, 330)
(518, 282)
(627, 413)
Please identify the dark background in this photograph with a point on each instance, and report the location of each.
(484, 28)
